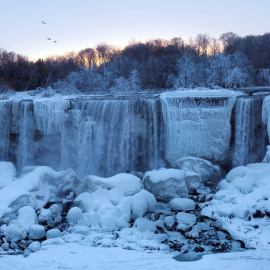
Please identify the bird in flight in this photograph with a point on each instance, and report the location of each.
(55, 41)
(49, 38)
(43, 22)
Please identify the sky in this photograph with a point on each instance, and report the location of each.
(79, 24)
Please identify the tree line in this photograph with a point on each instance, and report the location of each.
(230, 62)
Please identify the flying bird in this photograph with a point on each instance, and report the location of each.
(49, 38)
(43, 22)
(55, 41)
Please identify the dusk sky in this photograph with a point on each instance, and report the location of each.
(78, 24)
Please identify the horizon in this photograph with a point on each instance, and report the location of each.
(83, 24)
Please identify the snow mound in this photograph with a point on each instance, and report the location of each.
(242, 203)
(7, 173)
(182, 204)
(27, 217)
(166, 184)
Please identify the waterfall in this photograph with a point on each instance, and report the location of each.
(25, 156)
(197, 126)
(249, 134)
(5, 123)
(105, 137)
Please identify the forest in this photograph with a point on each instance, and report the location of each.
(229, 62)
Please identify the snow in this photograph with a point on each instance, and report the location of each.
(244, 192)
(166, 184)
(53, 233)
(7, 173)
(185, 221)
(27, 217)
(182, 204)
(74, 215)
(36, 232)
(76, 256)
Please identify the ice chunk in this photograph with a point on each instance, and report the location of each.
(14, 232)
(53, 233)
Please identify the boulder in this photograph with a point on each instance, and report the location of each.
(14, 232)
(204, 168)
(185, 221)
(36, 232)
(182, 204)
(169, 223)
(53, 233)
(166, 184)
(74, 215)
(27, 217)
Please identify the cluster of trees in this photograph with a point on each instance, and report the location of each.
(230, 62)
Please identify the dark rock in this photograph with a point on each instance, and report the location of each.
(214, 243)
(154, 216)
(258, 214)
(14, 246)
(5, 246)
(216, 224)
(199, 249)
(66, 206)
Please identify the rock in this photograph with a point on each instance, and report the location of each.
(193, 181)
(83, 230)
(36, 232)
(15, 232)
(14, 246)
(185, 221)
(53, 233)
(74, 215)
(169, 223)
(5, 246)
(166, 184)
(204, 168)
(51, 216)
(69, 185)
(184, 249)
(35, 246)
(26, 252)
(182, 204)
(27, 217)
(199, 249)
(216, 224)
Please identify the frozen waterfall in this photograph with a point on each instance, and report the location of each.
(197, 126)
(250, 133)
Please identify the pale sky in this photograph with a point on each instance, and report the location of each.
(79, 24)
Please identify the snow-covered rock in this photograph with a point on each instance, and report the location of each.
(14, 232)
(27, 217)
(74, 215)
(166, 184)
(143, 225)
(182, 204)
(169, 223)
(193, 180)
(51, 216)
(36, 232)
(204, 168)
(120, 185)
(53, 233)
(35, 246)
(7, 173)
(185, 221)
(243, 196)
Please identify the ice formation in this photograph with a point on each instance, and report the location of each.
(197, 124)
